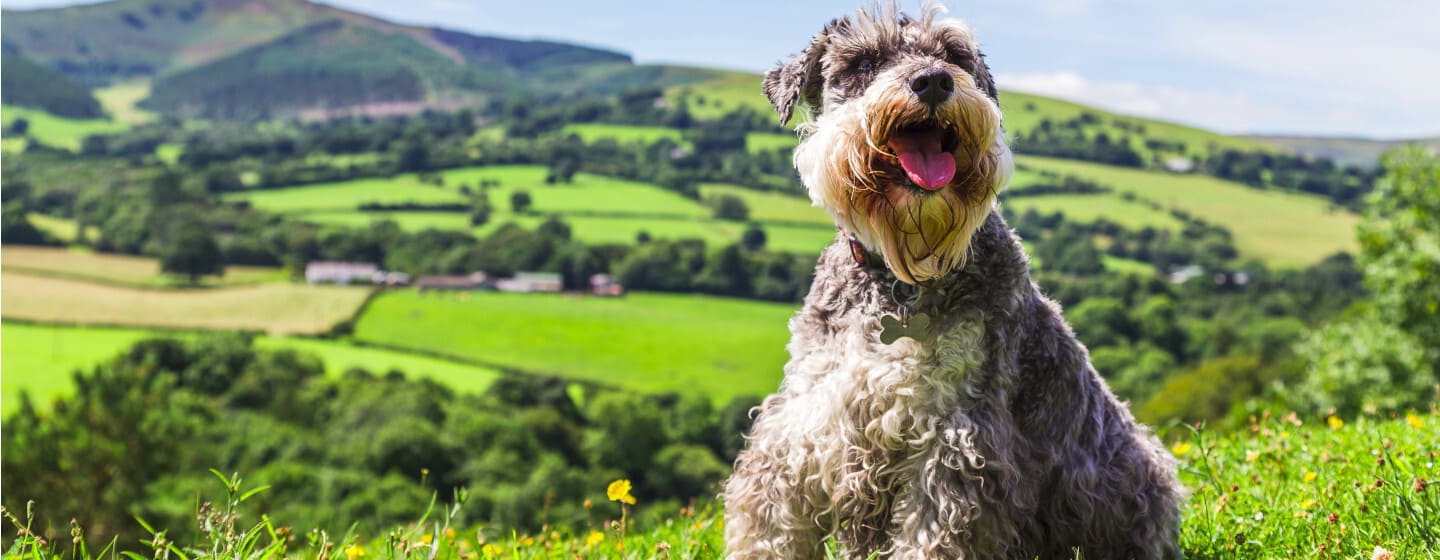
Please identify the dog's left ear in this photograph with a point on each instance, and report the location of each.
(983, 78)
(800, 76)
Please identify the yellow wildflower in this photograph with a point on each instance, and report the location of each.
(1335, 422)
(1306, 503)
(594, 538)
(529, 541)
(1310, 476)
(490, 550)
(619, 491)
(354, 551)
(1180, 448)
(1413, 420)
(449, 533)
(427, 539)
(1252, 456)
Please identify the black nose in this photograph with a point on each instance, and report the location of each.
(932, 86)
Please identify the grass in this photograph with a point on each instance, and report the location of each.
(58, 131)
(655, 343)
(623, 133)
(1279, 489)
(121, 101)
(1284, 229)
(772, 206)
(1086, 208)
(63, 229)
(347, 195)
(769, 141)
(115, 269)
(39, 358)
(274, 307)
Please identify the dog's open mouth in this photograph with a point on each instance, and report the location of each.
(926, 152)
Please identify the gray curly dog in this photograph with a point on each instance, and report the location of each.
(935, 405)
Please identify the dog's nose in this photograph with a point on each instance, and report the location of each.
(933, 86)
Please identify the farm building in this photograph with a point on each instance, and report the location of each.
(343, 273)
(605, 285)
(473, 281)
(525, 282)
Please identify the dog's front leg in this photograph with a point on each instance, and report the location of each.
(767, 514)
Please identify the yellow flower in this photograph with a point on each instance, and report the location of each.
(529, 541)
(450, 533)
(1310, 476)
(1335, 422)
(1413, 420)
(1180, 448)
(427, 539)
(1252, 456)
(354, 551)
(490, 550)
(594, 538)
(619, 491)
(1306, 503)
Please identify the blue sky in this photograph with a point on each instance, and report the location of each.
(1321, 67)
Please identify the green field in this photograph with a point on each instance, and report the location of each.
(1086, 208)
(40, 358)
(274, 307)
(623, 133)
(59, 131)
(1281, 228)
(116, 269)
(793, 207)
(711, 346)
(121, 101)
(768, 141)
(347, 195)
(63, 229)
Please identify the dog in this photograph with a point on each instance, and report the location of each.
(936, 404)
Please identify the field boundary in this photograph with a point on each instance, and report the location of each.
(21, 269)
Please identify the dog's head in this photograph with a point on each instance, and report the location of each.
(904, 148)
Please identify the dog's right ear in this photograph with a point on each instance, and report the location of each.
(800, 76)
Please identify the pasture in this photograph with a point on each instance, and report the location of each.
(623, 133)
(277, 308)
(116, 269)
(39, 359)
(1283, 229)
(62, 132)
(1086, 208)
(347, 195)
(655, 343)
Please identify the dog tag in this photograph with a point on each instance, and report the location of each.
(892, 328)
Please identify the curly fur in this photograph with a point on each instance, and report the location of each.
(993, 437)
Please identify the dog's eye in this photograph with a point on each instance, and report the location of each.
(865, 64)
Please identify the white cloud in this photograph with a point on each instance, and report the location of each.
(1222, 111)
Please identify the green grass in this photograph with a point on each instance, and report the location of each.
(713, 98)
(623, 133)
(1284, 229)
(63, 229)
(1276, 490)
(769, 141)
(1020, 117)
(121, 101)
(347, 195)
(115, 269)
(57, 131)
(1086, 208)
(1127, 266)
(408, 221)
(273, 307)
(793, 207)
(39, 358)
(716, 347)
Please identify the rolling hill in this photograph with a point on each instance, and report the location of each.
(27, 84)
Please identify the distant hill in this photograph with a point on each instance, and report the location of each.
(246, 59)
(1345, 151)
(27, 84)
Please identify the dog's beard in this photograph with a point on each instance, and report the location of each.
(850, 170)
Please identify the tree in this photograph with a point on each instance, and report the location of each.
(1387, 358)
(730, 207)
(520, 202)
(190, 249)
(754, 238)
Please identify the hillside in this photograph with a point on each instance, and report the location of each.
(24, 83)
(1345, 151)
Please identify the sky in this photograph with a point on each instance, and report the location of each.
(1312, 67)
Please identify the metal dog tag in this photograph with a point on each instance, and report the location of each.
(892, 328)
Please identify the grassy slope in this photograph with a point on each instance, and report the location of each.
(274, 307)
(58, 131)
(1087, 208)
(109, 268)
(40, 358)
(651, 342)
(1283, 229)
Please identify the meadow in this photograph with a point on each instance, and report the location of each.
(40, 358)
(1087, 208)
(120, 270)
(1283, 229)
(53, 130)
(277, 308)
(1281, 488)
(717, 347)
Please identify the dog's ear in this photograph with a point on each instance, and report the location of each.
(983, 79)
(800, 76)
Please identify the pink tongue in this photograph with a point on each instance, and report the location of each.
(923, 160)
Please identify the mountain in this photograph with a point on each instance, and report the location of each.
(1345, 151)
(247, 59)
(27, 84)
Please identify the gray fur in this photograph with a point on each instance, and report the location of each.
(992, 436)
